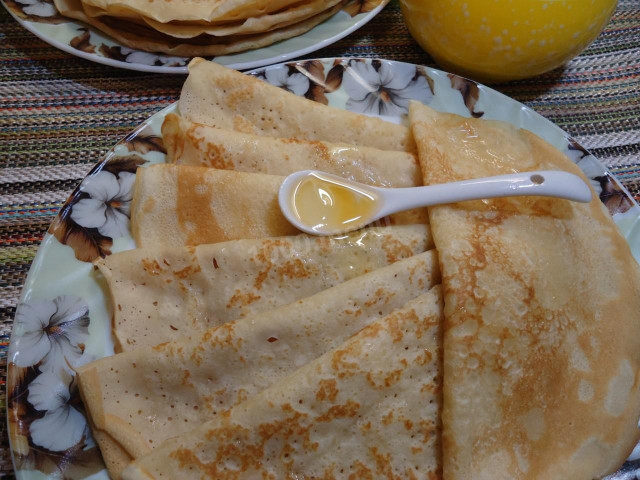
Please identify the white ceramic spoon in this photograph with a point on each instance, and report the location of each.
(381, 202)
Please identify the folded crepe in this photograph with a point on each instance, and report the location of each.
(140, 398)
(163, 293)
(367, 409)
(140, 35)
(176, 205)
(189, 143)
(542, 310)
(220, 97)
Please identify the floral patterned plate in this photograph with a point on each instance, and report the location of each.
(63, 318)
(42, 19)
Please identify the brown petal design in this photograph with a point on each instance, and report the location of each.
(81, 42)
(112, 52)
(17, 9)
(316, 93)
(334, 77)
(613, 196)
(130, 163)
(15, 376)
(314, 71)
(469, 91)
(423, 73)
(48, 463)
(78, 463)
(87, 243)
(143, 142)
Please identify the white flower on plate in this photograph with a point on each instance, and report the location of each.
(145, 58)
(108, 207)
(589, 165)
(51, 333)
(385, 91)
(38, 8)
(62, 426)
(297, 83)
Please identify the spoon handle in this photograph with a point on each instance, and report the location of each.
(546, 183)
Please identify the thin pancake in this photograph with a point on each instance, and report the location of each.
(220, 97)
(542, 306)
(134, 35)
(189, 143)
(276, 20)
(194, 10)
(160, 294)
(176, 205)
(209, 373)
(367, 409)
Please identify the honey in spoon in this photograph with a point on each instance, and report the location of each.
(327, 205)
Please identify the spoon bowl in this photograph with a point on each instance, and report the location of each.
(324, 204)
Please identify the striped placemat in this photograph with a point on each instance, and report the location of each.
(59, 114)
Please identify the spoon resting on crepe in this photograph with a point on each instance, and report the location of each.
(319, 203)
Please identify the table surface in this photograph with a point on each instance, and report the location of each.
(59, 115)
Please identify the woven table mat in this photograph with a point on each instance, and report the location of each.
(59, 115)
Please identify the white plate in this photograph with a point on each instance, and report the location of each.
(41, 18)
(64, 307)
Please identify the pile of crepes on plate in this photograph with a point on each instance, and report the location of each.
(487, 339)
(195, 27)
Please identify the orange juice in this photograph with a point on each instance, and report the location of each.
(495, 40)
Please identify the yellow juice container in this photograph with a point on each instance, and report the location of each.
(498, 40)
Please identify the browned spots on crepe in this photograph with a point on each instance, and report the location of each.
(380, 295)
(346, 410)
(151, 266)
(185, 379)
(321, 150)
(187, 271)
(388, 418)
(341, 365)
(265, 255)
(295, 269)
(214, 154)
(360, 472)
(243, 299)
(327, 390)
(193, 207)
(395, 249)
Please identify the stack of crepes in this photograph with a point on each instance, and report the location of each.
(250, 351)
(194, 27)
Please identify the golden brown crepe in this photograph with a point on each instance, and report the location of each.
(140, 398)
(164, 293)
(542, 296)
(176, 205)
(181, 205)
(367, 409)
(253, 25)
(194, 10)
(263, 23)
(220, 97)
(189, 143)
(139, 35)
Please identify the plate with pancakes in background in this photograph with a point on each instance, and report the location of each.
(162, 36)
